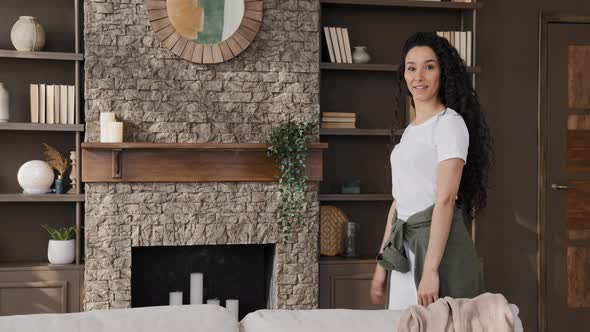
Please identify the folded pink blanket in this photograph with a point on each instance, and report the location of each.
(486, 312)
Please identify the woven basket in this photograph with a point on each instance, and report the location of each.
(332, 222)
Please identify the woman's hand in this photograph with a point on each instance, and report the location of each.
(378, 286)
(428, 289)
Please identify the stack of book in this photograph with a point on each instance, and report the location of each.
(462, 41)
(338, 44)
(338, 120)
(53, 104)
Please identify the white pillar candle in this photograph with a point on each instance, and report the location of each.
(233, 307)
(213, 301)
(114, 132)
(196, 288)
(105, 117)
(175, 298)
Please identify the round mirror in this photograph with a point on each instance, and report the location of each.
(205, 31)
(205, 21)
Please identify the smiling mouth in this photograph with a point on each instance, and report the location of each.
(421, 87)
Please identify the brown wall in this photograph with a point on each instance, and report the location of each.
(508, 53)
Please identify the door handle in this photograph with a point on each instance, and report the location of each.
(561, 187)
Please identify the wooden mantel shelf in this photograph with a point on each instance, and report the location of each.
(186, 162)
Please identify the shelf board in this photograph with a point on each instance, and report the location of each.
(33, 266)
(345, 260)
(175, 162)
(358, 66)
(406, 3)
(359, 132)
(42, 198)
(40, 126)
(354, 197)
(41, 55)
(375, 67)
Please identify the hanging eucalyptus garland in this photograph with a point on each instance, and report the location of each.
(288, 147)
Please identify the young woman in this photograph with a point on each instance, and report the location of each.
(439, 176)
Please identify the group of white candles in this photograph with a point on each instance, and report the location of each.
(196, 291)
(111, 131)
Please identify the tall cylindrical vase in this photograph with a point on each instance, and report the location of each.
(27, 34)
(4, 103)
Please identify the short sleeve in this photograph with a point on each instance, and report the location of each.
(451, 138)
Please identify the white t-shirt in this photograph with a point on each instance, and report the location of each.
(415, 158)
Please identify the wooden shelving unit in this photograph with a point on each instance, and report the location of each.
(62, 56)
(368, 90)
(41, 127)
(24, 268)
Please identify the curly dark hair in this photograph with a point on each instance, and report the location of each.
(457, 92)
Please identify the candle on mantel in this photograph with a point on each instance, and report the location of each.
(175, 298)
(233, 306)
(105, 118)
(196, 288)
(213, 301)
(114, 132)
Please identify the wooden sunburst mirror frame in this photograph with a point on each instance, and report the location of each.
(205, 53)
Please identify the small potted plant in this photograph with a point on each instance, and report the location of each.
(59, 163)
(62, 245)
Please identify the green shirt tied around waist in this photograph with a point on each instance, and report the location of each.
(459, 270)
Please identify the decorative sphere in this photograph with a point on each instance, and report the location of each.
(35, 177)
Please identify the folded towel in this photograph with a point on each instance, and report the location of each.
(486, 312)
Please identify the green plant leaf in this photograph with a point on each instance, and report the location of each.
(288, 147)
(60, 234)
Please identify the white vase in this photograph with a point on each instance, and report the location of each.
(35, 177)
(61, 252)
(4, 103)
(360, 55)
(27, 34)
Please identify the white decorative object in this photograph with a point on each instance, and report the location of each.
(27, 34)
(175, 298)
(213, 301)
(196, 288)
(61, 252)
(105, 118)
(4, 103)
(233, 306)
(360, 55)
(73, 178)
(35, 177)
(114, 132)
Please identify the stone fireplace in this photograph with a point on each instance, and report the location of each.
(164, 99)
(123, 216)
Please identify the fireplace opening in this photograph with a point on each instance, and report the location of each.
(241, 272)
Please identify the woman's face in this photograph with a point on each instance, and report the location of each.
(422, 74)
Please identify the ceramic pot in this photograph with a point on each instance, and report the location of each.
(35, 177)
(61, 252)
(4, 103)
(360, 55)
(27, 34)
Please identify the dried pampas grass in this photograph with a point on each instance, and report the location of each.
(55, 159)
